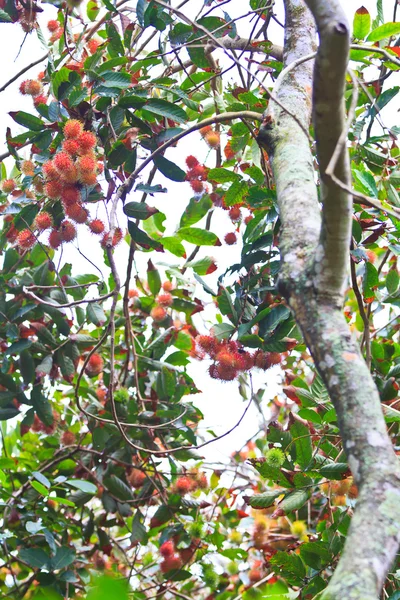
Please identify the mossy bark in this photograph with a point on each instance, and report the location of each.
(315, 246)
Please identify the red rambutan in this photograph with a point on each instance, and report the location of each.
(71, 147)
(77, 213)
(95, 365)
(96, 226)
(53, 189)
(87, 163)
(63, 162)
(158, 314)
(213, 139)
(28, 168)
(235, 213)
(68, 231)
(26, 239)
(55, 239)
(230, 238)
(88, 178)
(182, 485)
(53, 25)
(87, 141)
(43, 221)
(40, 99)
(167, 548)
(68, 438)
(165, 299)
(8, 185)
(197, 186)
(206, 129)
(33, 87)
(172, 563)
(70, 195)
(191, 161)
(73, 128)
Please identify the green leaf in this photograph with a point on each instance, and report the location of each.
(361, 23)
(35, 557)
(64, 557)
(141, 238)
(236, 192)
(169, 169)
(265, 499)
(384, 31)
(41, 405)
(199, 237)
(315, 554)
(153, 278)
(294, 501)
(139, 210)
(114, 45)
(27, 366)
(116, 79)
(303, 445)
(8, 412)
(40, 488)
(174, 246)
(27, 120)
(220, 175)
(166, 109)
(95, 314)
(118, 488)
(138, 529)
(195, 211)
(84, 486)
(107, 587)
(42, 479)
(204, 266)
(333, 470)
(392, 281)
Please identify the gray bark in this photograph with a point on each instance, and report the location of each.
(315, 247)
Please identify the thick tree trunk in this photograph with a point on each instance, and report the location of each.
(315, 248)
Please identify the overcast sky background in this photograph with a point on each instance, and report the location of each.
(220, 402)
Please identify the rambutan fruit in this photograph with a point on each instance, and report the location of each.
(56, 35)
(167, 548)
(87, 141)
(182, 485)
(230, 238)
(28, 168)
(225, 358)
(77, 213)
(165, 299)
(197, 186)
(93, 45)
(262, 360)
(229, 152)
(226, 373)
(55, 239)
(96, 226)
(40, 99)
(158, 313)
(70, 195)
(68, 231)
(167, 286)
(207, 343)
(33, 87)
(95, 365)
(172, 563)
(86, 163)
(49, 170)
(8, 185)
(71, 146)
(22, 87)
(255, 575)
(53, 25)
(248, 219)
(73, 128)
(199, 172)
(88, 178)
(191, 162)
(136, 478)
(43, 221)
(68, 438)
(243, 361)
(70, 176)
(213, 371)
(63, 162)
(53, 189)
(213, 139)
(275, 358)
(206, 129)
(26, 239)
(235, 214)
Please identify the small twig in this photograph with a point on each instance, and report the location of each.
(22, 71)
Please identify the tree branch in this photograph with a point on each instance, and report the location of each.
(315, 254)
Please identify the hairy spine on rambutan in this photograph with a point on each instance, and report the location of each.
(73, 128)
(63, 162)
(95, 365)
(191, 162)
(158, 314)
(96, 226)
(53, 189)
(28, 168)
(86, 163)
(8, 185)
(43, 221)
(55, 239)
(88, 178)
(71, 147)
(70, 195)
(68, 231)
(26, 239)
(87, 141)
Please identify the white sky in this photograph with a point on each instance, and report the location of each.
(220, 402)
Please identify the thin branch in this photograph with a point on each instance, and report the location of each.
(22, 71)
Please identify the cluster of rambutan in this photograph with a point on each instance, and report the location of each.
(164, 300)
(172, 560)
(229, 358)
(192, 481)
(74, 167)
(196, 174)
(55, 29)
